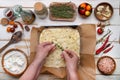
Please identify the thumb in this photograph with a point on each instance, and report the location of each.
(50, 47)
(65, 55)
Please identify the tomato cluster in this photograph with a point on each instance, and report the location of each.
(12, 29)
(85, 9)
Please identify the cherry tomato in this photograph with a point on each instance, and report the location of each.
(83, 5)
(11, 22)
(8, 29)
(88, 8)
(100, 31)
(12, 30)
(15, 26)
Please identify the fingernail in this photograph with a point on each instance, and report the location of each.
(54, 48)
(64, 52)
(53, 44)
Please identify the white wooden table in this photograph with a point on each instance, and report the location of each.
(28, 4)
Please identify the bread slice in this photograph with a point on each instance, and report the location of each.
(72, 5)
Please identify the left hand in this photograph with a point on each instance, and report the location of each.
(43, 49)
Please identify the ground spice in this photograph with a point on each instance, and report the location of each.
(40, 10)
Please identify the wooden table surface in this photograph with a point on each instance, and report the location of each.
(28, 4)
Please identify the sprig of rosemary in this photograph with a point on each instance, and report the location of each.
(58, 46)
(62, 11)
(100, 40)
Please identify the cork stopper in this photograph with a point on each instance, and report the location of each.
(38, 6)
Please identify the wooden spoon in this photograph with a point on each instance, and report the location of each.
(16, 37)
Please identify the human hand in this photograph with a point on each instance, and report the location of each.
(71, 60)
(43, 49)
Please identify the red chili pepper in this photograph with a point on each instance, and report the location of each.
(107, 46)
(107, 50)
(103, 46)
(20, 24)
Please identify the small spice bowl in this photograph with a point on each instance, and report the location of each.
(106, 65)
(103, 11)
(85, 10)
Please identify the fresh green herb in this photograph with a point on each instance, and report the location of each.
(57, 45)
(100, 40)
(62, 11)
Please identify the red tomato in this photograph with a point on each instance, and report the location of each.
(8, 29)
(83, 5)
(12, 30)
(100, 31)
(88, 8)
(82, 11)
(15, 26)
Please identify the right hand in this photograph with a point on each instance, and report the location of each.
(71, 60)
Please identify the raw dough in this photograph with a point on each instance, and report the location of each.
(67, 38)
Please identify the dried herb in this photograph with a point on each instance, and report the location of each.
(62, 11)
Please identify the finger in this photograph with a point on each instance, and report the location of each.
(45, 43)
(65, 55)
(71, 52)
(50, 47)
(62, 55)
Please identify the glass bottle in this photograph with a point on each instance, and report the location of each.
(28, 16)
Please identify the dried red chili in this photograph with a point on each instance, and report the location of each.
(107, 50)
(107, 46)
(103, 46)
(20, 24)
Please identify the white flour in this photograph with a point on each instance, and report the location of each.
(15, 62)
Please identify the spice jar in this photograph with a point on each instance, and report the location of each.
(28, 16)
(40, 10)
(9, 13)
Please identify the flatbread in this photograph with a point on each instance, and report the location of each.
(65, 38)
